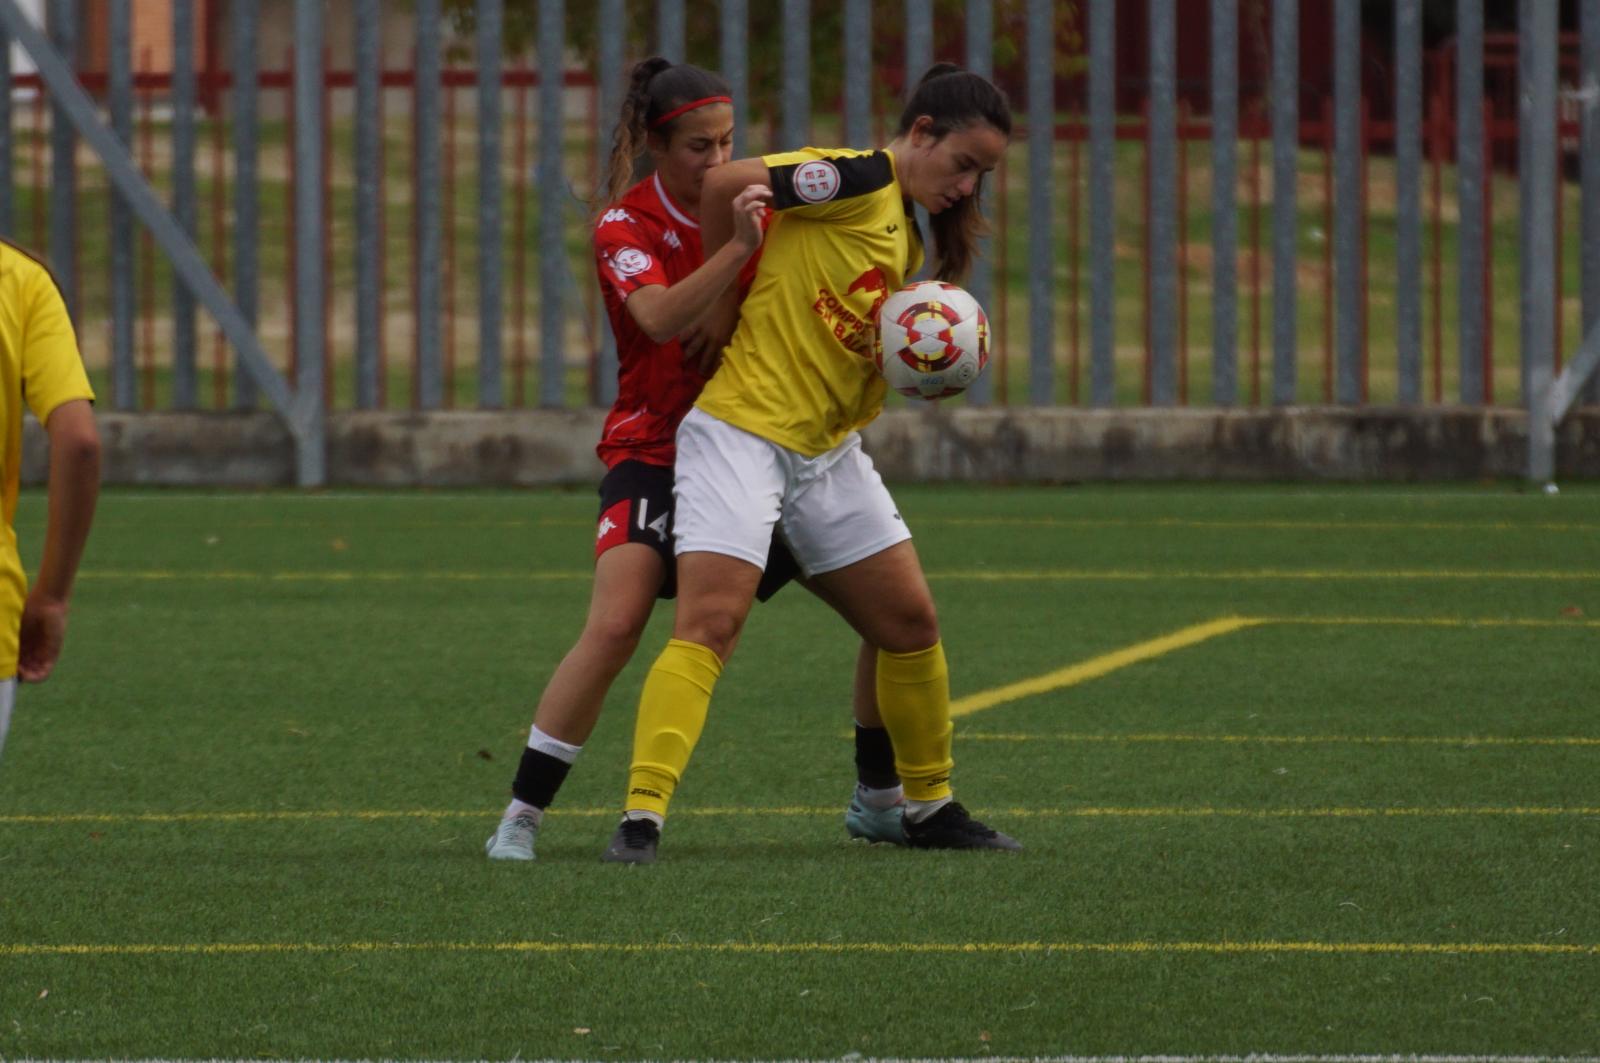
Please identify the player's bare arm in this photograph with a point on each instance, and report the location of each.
(723, 187)
(667, 313)
(74, 489)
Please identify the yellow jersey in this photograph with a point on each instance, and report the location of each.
(800, 370)
(39, 364)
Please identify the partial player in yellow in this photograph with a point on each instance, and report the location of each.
(40, 365)
(772, 442)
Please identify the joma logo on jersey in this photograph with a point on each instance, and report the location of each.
(816, 182)
(615, 215)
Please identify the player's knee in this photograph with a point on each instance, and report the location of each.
(915, 627)
(615, 637)
(718, 631)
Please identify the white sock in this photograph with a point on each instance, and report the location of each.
(917, 811)
(540, 742)
(517, 807)
(878, 800)
(654, 817)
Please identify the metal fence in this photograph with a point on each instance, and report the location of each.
(319, 178)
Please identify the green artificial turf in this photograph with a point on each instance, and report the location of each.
(1366, 823)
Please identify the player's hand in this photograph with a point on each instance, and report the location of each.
(701, 350)
(44, 629)
(749, 213)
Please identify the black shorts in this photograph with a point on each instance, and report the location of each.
(636, 507)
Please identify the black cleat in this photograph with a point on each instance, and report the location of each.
(634, 843)
(952, 828)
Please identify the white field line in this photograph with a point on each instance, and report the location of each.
(487, 815)
(1255, 1057)
(815, 948)
(1371, 493)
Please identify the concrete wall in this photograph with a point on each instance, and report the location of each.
(529, 448)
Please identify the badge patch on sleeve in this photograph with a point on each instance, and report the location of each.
(816, 181)
(630, 262)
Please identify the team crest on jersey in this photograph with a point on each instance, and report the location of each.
(615, 215)
(630, 262)
(816, 181)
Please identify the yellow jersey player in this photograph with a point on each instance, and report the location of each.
(40, 365)
(658, 286)
(772, 441)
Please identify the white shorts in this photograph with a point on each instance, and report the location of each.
(732, 487)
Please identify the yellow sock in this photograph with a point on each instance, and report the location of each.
(672, 712)
(914, 700)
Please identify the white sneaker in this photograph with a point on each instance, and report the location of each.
(513, 839)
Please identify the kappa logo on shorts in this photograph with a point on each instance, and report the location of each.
(817, 181)
(612, 529)
(630, 262)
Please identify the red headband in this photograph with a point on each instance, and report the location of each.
(691, 105)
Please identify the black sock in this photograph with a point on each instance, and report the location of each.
(539, 776)
(875, 759)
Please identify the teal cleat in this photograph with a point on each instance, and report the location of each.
(885, 825)
(513, 839)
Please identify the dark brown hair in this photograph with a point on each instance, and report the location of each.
(955, 99)
(655, 87)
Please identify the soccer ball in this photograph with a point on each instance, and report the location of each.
(933, 340)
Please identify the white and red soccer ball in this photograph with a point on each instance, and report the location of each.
(933, 340)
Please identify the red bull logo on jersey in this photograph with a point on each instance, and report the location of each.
(875, 282)
(857, 332)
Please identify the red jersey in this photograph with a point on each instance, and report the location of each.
(646, 238)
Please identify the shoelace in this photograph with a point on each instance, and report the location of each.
(637, 833)
(522, 822)
(964, 822)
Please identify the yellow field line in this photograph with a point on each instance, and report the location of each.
(1295, 740)
(330, 576)
(1431, 621)
(959, 575)
(794, 811)
(1287, 574)
(1090, 523)
(1099, 666)
(1096, 667)
(1263, 525)
(837, 948)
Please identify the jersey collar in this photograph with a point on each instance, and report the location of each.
(666, 201)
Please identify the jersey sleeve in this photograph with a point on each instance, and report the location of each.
(626, 254)
(827, 184)
(52, 368)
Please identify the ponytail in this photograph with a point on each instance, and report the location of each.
(954, 99)
(628, 141)
(656, 87)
